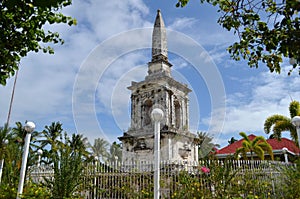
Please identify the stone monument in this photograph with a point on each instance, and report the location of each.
(159, 90)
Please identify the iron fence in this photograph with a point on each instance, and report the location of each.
(120, 180)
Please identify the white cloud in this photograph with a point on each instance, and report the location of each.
(182, 23)
(178, 63)
(44, 86)
(45, 83)
(118, 77)
(263, 96)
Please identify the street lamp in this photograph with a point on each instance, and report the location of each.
(296, 123)
(96, 159)
(40, 153)
(29, 127)
(5, 142)
(284, 151)
(156, 115)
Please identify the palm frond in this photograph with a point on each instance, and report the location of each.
(244, 135)
(270, 121)
(294, 109)
(242, 151)
(282, 123)
(258, 146)
(267, 148)
(281, 126)
(258, 139)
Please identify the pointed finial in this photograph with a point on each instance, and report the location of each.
(159, 37)
(159, 65)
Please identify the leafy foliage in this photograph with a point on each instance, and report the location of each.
(115, 152)
(224, 181)
(36, 191)
(13, 158)
(68, 157)
(258, 146)
(3, 141)
(292, 178)
(50, 138)
(279, 123)
(21, 30)
(100, 148)
(205, 145)
(268, 30)
(232, 140)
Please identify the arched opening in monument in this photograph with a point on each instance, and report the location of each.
(147, 108)
(177, 114)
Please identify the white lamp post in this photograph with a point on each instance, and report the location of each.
(96, 159)
(284, 151)
(39, 152)
(5, 142)
(156, 115)
(29, 127)
(296, 123)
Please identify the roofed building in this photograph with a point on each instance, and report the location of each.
(283, 150)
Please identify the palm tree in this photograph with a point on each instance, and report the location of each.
(282, 123)
(100, 148)
(19, 133)
(80, 144)
(3, 148)
(69, 162)
(115, 152)
(50, 140)
(3, 141)
(17, 136)
(13, 154)
(51, 135)
(205, 144)
(11, 168)
(232, 140)
(258, 146)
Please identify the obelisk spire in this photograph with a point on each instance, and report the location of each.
(159, 65)
(159, 38)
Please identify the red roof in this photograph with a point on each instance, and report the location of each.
(275, 144)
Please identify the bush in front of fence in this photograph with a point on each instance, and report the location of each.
(291, 187)
(224, 180)
(210, 179)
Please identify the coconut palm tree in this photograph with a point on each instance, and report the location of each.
(100, 148)
(3, 146)
(51, 138)
(13, 155)
(115, 152)
(256, 146)
(80, 144)
(17, 135)
(279, 123)
(3, 140)
(51, 135)
(69, 162)
(205, 145)
(232, 140)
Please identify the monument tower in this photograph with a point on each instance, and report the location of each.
(159, 90)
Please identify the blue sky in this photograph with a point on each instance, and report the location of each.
(83, 85)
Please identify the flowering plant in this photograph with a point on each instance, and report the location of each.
(205, 170)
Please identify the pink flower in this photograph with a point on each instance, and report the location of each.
(205, 169)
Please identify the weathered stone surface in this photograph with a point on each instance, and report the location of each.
(160, 90)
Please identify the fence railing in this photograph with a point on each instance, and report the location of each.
(135, 179)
